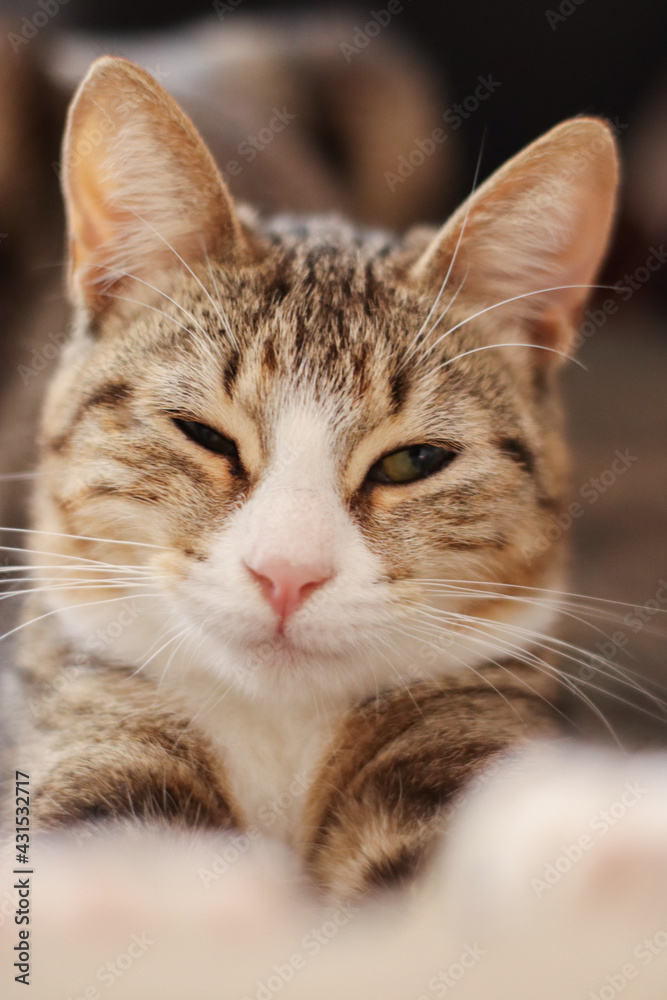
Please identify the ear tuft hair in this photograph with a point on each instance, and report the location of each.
(540, 222)
(141, 189)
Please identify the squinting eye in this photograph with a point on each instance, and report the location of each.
(209, 438)
(410, 464)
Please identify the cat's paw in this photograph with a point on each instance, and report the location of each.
(133, 912)
(562, 823)
(559, 863)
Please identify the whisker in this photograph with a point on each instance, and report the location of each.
(532, 347)
(555, 640)
(185, 636)
(84, 538)
(29, 568)
(415, 342)
(144, 305)
(226, 324)
(74, 585)
(185, 265)
(559, 647)
(57, 555)
(467, 667)
(504, 302)
(543, 666)
(157, 652)
(55, 611)
(559, 607)
(541, 590)
(133, 277)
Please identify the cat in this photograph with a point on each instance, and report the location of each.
(292, 567)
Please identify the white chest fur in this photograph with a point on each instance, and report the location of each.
(270, 750)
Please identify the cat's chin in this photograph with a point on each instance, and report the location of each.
(290, 668)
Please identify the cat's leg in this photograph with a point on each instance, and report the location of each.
(105, 746)
(384, 795)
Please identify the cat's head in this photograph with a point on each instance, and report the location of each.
(322, 445)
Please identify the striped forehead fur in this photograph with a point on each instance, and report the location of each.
(326, 320)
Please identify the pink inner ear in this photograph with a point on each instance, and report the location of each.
(542, 221)
(87, 217)
(151, 158)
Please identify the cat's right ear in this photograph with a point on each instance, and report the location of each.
(532, 237)
(142, 192)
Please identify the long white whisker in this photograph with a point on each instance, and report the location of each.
(442, 316)
(558, 644)
(55, 611)
(532, 347)
(133, 277)
(532, 659)
(542, 590)
(157, 652)
(58, 555)
(29, 568)
(75, 585)
(559, 607)
(548, 643)
(85, 538)
(497, 305)
(185, 265)
(144, 305)
(185, 636)
(463, 639)
(467, 666)
(415, 343)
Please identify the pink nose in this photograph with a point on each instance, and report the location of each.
(285, 586)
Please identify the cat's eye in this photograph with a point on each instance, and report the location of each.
(409, 464)
(209, 438)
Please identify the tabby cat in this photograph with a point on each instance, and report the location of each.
(293, 571)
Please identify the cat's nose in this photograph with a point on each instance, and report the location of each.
(286, 586)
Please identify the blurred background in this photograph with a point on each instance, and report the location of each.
(390, 106)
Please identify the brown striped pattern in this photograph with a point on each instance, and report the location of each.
(381, 801)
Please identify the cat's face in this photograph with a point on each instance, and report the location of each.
(274, 413)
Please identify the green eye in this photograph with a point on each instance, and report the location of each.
(410, 464)
(209, 438)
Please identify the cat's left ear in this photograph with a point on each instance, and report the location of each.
(141, 188)
(540, 222)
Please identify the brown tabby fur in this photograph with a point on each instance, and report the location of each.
(324, 313)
